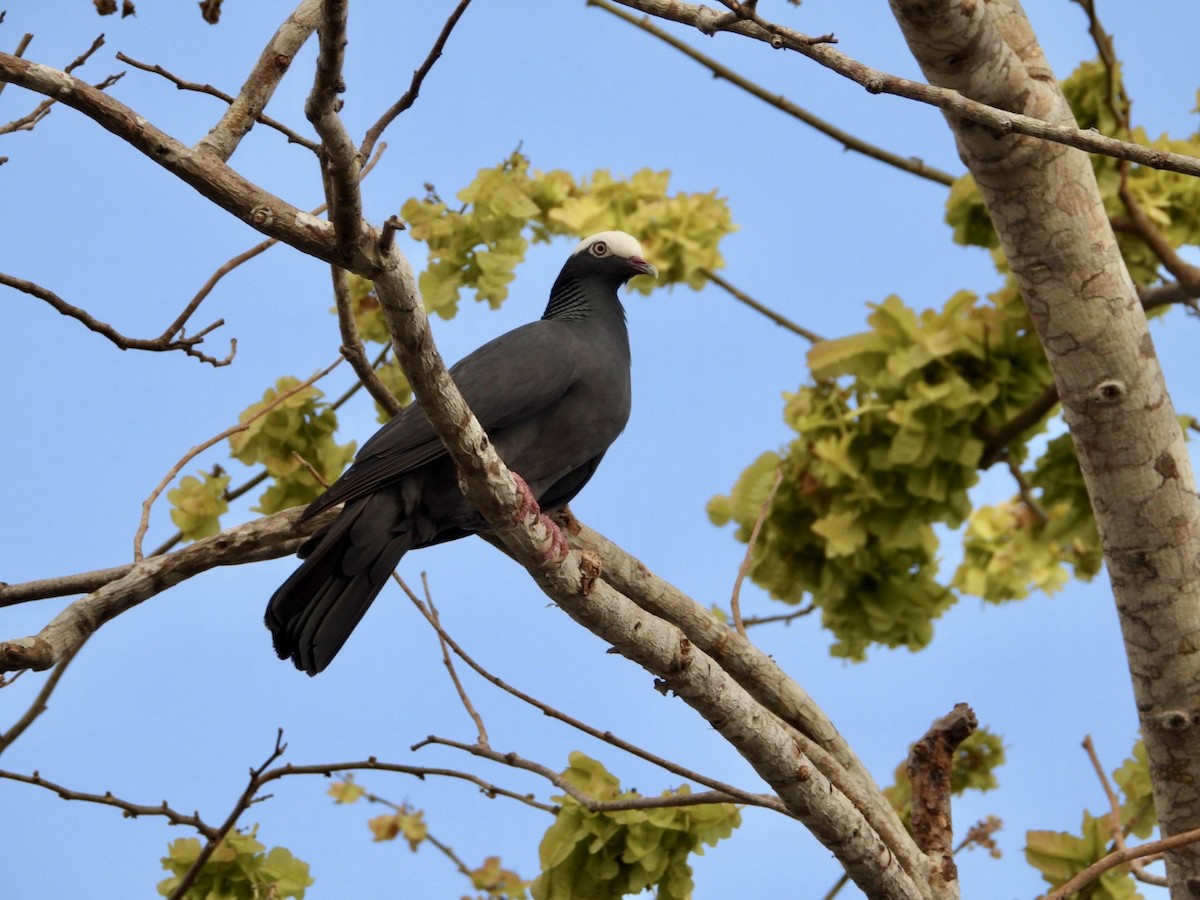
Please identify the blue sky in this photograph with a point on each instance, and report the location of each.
(177, 698)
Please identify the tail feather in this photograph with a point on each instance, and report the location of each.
(312, 614)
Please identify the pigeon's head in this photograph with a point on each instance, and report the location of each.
(613, 256)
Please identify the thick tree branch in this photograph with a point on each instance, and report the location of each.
(267, 538)
(209, 176)
(1090, 321)
(339, 157)
(252, 99)
(993, 118)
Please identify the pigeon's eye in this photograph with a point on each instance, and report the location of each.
(599, 249)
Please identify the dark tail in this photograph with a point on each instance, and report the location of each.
(344, 569)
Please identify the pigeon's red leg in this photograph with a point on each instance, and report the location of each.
(558, 547)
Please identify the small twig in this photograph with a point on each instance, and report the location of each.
(1025, 489)
(39, 702)
(848, 141)
(738, 795)
(292, 136)
(1116, 827)
(771, 314)
(144, 522)
(584, 799)
(786, 618)
(449, 663)
(162, 343)
(131, 810)
(243, 804)
(998, 437)
(1120, 858)
(414, 87)
(735, 599)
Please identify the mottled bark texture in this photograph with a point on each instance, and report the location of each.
(1047, 209)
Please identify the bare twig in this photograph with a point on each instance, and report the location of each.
(739, 795)
(130, 810)
(1120, 858)
(735, 605)
(183, 85)
(848, 141)
(243, 803)
(785, 618)
(589, 803)
(1116, 828)
(777, 318)
(1025, 490)
(875, 81)
(144, 523)
(39, 702)
(159, 344)
(432, 615)
(352, 346)
(414, 87)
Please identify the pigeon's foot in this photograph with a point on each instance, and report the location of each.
(558, 548)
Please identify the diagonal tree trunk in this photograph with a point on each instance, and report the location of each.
(1047, 209)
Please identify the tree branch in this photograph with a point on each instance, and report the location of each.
(929, 764)
(267, 538)
(414, 88)
(223, 139)
(163, 343)
(848, 141)
(995, 120)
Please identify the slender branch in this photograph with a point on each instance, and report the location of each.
(777, 318)
(418, 78)
(243, 803)
(735, 605)
(848, 141)
(447, 661)
(998, 437)
(785, 618)
(1120, 858)
(352, 346)
(183, 85)
(1117, 829)
(144, 523)
(875, 81)
(163, 343)
(131, 810)
(587, 801)
(39, 702)
(739, 795)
